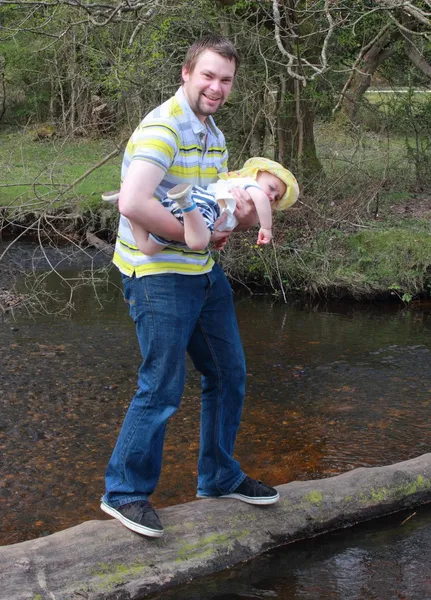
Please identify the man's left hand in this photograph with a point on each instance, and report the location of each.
(245, 210)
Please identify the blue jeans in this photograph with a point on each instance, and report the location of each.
(175, 314)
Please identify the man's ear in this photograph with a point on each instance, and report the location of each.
(185, 74)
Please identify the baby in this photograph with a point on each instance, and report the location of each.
(270, 185)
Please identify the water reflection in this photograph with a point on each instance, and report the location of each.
(329, 389)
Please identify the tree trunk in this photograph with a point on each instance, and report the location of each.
(72, 75)
(362, 76)
(2, 87)
(295, 131)
(415, 56)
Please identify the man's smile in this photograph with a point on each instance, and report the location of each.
(212, 98)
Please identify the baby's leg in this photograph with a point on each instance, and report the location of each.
(196, 232)
(145, 244)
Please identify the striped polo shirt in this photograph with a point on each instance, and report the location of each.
(188, 151)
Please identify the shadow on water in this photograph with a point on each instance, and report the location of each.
(329, 388)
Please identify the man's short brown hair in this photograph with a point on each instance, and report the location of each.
(217, 43)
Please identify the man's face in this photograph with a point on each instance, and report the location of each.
(208, 86)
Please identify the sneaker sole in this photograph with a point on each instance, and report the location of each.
(130, 524)
(179, 191)
(111, 197)
(260, 501)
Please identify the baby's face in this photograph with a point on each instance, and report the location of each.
(273, 187)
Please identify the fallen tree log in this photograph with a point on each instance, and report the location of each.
(102, 560)
(95, 241)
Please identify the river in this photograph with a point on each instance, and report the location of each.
(330, 387)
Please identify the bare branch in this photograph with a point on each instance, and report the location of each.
(407, 7)
(293, 60)
(416, 56)
(383, 31)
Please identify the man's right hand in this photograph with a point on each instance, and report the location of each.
(219, 239)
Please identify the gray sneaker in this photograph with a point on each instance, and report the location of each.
(251, 491)
(111, 197)
(181, 194)
(138, 516)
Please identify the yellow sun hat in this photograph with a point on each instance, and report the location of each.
(253, 165)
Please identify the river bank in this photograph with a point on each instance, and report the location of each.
(361, 232)
(331, 257)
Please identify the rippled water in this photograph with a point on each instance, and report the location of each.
(330, 388)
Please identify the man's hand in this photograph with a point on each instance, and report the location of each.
(245, 210)
(218, 222)
(219, 238)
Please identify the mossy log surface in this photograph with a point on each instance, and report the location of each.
(103, 560)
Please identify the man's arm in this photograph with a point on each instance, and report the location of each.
(137, 201)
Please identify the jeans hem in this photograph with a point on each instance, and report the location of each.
(220, 492)
(123, 501)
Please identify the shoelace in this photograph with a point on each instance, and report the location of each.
(254, 484)
(146, 507)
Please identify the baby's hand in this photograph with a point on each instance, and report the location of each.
(264, 236)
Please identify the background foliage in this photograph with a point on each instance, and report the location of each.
(337, 90)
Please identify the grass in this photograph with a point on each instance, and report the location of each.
(333, 245)
(35, 172)
(362, 155)
(328, 244)
(380, 260)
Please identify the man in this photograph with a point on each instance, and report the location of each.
(179, 299)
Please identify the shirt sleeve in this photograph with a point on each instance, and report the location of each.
(156, 142)
(224, 160)
(249, 182)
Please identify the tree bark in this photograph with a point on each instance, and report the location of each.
(295, 131)
(415, 56)
(2, 87)
(380, 51)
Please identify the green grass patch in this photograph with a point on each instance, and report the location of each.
(383, 260)
(361, 156)
(359, 257)
(378, 261)
(34, 173)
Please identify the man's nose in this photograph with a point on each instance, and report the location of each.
(215, 85)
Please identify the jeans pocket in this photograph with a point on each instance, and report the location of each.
(129, 293)
(126, 278)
